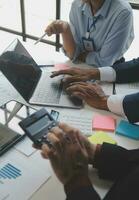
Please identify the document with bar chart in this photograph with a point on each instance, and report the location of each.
(19, 179)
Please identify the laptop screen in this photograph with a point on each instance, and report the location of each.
(20, 69)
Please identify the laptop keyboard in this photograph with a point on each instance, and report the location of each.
(48, 89)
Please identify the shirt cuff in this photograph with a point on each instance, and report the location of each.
(115, 104)
(107, 74)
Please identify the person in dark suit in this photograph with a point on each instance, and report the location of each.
(72, 152)
(125, 105)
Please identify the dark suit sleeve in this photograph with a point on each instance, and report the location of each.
(87, 193)
(131, 107)
(80, 187)
(127, 72)
(113, 161)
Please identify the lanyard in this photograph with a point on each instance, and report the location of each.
(92, 25)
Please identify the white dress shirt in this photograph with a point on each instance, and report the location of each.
(114, 102)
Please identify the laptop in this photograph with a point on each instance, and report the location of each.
(34, 84)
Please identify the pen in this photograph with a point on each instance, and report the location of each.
(40, 38)
(114, 89)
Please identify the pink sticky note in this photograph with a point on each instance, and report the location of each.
(106, 123)
(60, 66)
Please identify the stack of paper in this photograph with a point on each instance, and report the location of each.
(127, 88)
(82, 121)
(124, 88)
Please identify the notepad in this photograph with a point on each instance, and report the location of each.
(105, 123)
(60, 66)
(99, 137)
(129, 130)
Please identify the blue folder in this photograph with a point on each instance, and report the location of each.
(129, 130)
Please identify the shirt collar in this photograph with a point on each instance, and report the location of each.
(103, 11)
(86, 10)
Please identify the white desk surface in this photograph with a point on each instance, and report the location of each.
(53, 189)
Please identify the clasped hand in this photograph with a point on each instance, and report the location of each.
(70, 154)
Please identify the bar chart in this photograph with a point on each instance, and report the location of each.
(9, 171)
(20, 178)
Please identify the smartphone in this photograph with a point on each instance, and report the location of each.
(10, 131)
(54, 114)
(37, 126)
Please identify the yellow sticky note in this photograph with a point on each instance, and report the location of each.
(99, 137)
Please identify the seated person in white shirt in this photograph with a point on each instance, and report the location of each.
(99, 31)
(93, 95)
